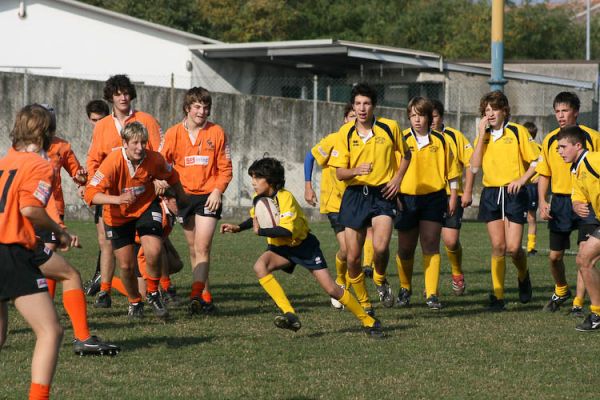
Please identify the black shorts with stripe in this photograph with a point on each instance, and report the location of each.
(308, 254)
(149, 223)
(20, 274)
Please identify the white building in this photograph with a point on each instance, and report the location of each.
(72, 39)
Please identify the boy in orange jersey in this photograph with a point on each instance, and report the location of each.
(125, 183)
(199, 152)
(25, 184)
(118, 91)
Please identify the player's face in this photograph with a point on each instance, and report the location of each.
(122, 101)
(261, 186)
(363, 107)
(350, 117)
(198, 114)
(565, 114)
(418, 122)
(436, 121)
(568, 151)
(95, 117)
(135, 149)
(495, 117)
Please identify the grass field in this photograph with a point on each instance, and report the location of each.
(459, 352)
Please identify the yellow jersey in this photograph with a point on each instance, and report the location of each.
(462, 149)
(332, 189)
(586, 180)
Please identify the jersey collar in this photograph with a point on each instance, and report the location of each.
(132, 169)
(424, 141)
(575, 165)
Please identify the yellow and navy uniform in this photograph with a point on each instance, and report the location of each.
(508, 157)
(586, 180)
(291, 217)
(536, 176)
(350, 150)
(332, 188)
(431, 166)
(462, 149)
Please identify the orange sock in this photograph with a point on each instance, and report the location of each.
(74, 302)
(206, 296)
(117, 284)
(134, 300)
(165, 282)
(39, 392)
(51, 287)
(151, 285)
(197, 288)
(105, 286)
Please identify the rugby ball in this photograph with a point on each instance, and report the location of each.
(266, 212)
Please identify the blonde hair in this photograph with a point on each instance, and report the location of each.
(134, 130)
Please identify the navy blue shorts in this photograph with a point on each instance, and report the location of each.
(494, 200)
(308, 254)
(197, 207)
(20, 274)
(564, 218)
(360, 204)
(455, 221)
(421, 207)
(532, 196)
(149, 223)
(334, 221)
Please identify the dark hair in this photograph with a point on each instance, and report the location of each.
(32, 125)
(569, 98)
(348, 109)
(269, 168)
(196, 95)
(169, 193)
(422, 106)
(363, 89)
(438, 106)
(533, 130)
(116, 84)
(50, 109)
(98, 107)
(573, 133)
(497, 100)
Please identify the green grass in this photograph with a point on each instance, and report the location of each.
(459, 352)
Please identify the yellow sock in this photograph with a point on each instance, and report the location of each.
(531, 242)
(521, 264)
(561, 290)
(431, 270)
(368, 253)
(455, 258)
(498, 271)
(578, 302)
(405, 271)
(274, 289)
(352, 304)
(340, 269)
(378, 279)
(595, 309)
(360, 290)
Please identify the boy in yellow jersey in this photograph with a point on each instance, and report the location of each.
(451, 224)
(332, 190)
(559, 212)
(508, 157)
(423, 201)
(365, 158)
(532, 198)
(291, 243)
(586, 199)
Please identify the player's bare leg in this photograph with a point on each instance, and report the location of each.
(107, 267)
(586, 260)
(199, 235)
(3, 322)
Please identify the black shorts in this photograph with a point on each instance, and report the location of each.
(197, 207)
(47, 236)
(496, 201)
(564, 218)
(362, 203)
(454, 221)
(334, 221)
(422, 207)
(560, 241)
(532, 196)
(149, 223)
(97, 214)
(20, 274)
(308, 254)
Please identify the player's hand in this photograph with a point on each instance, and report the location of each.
(255, 226)
(452, 203)
(581, 209)
(81, 191)
(81, 176)
(363, 169)
(67, 241)
(309, 194)
(229, 228)
(391, 189)
(214, 200)
(466, 199)
(514, 186)
(126, 198)
(160, 186)
(484, 124)
(545, 210)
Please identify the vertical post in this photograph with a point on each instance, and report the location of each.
(172, 110)
(497, 80)
(587, 31)
(315, 98)
(25, 87)
(459, 109)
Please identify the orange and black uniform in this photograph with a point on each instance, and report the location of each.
(61, 155)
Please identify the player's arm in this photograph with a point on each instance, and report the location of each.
(579, 199)
(391, 188)
(224, 175)
(40, 218)
(543, 184)
(103, 179)
(531, 154)
(309, 194)
(477, 157)
(153, 134)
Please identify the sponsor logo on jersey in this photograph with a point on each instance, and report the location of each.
(196, 160)
(42, 192)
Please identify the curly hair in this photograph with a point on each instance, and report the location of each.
(116, 84)
(270, 169)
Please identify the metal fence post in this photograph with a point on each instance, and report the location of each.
(172, 98)
(315, 97)
(25, 87)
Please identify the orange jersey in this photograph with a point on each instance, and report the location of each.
(60, 156)
(107, 137)
(117, 175)
(204, 164)
(25, 181)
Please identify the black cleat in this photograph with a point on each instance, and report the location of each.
(496, 305)
(368, 271)
(136, 310)
(375, 331)
(288, 321)
(556, 301)
(591, 323)
(385, 294)
(156, 302)
(576, 312)
(433, 303)
(404, 297)
(370, 311)
(103, 300)
(171, 298)
(532, 253)
(92, 287)
(525, 290)
(93, 346)
(196, 306)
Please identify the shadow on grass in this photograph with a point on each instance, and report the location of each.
(172, 342)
